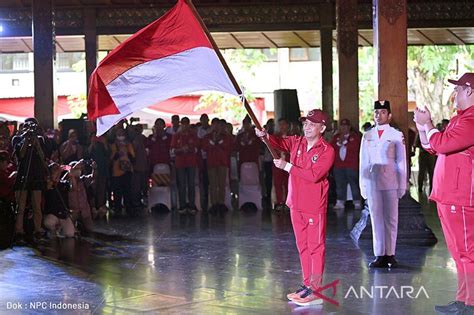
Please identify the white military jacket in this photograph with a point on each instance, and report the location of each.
(382, 160)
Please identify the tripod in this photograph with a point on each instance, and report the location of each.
(30, 145)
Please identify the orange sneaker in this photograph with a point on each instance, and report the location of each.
(307, 298)
(296, 294)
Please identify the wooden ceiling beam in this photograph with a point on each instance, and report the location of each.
(302, 40)
(423, 37)
(239, 44)
(455, 38)
(58, 44)
(29, 49)
(269, 41)
(367, 43)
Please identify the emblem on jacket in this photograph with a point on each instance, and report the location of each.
(314, 158)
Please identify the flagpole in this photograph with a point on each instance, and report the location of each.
(231, 77)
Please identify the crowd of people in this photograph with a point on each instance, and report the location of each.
(68, 183)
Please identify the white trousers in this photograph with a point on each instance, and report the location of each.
(383, 206)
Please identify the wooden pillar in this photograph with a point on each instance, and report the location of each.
(44, 60)
(327, 26)
(90, 31)
(347, 48)
(390, 42)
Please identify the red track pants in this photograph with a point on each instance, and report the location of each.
(458, 228)
(310, 234)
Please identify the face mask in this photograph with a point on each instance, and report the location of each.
(121, 138)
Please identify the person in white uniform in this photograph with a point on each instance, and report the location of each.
(383, 180)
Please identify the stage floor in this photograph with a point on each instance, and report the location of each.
(231, 263)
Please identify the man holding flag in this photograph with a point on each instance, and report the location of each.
(311, 159)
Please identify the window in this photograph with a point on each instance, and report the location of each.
(305, 54)
(271, 54)
(14, 62)
(20, 62)
(7, 62)
(65, 61)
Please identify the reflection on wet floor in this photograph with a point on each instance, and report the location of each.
(224, 263)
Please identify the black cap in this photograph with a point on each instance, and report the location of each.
(382, 104)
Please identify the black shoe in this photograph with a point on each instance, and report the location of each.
(451, 307)
(20, 239)
(192, 211)
(379, 262)
(391, 261)
(39, 237)
(278, 208)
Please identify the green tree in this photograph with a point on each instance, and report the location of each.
(429, 67)
(366, 84)
(228, 106)
(78, 103)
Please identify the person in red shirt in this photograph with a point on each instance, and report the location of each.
(311, 159)
(217, 144)
(185, 146)
(247, 144)
(453, 187)
(346, 143)
(158, 144)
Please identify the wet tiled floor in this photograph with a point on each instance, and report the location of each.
(226, 263)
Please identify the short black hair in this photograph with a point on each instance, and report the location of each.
(160, 120)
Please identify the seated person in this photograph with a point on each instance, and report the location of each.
(57, 217)
(78, 201)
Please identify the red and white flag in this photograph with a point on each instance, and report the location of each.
(170, 57)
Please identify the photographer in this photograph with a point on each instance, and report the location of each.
(71, 150)
(57, 219)
(78, 201)
(122, 155)
(99, 151)
(29, 147)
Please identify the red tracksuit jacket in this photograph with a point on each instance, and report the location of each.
(352, 156)
(218, 154)
(453, 179)
(308, 184)
(190, 158)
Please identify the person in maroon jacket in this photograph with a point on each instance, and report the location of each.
(453, 187)
(217, 144)
(311, 159)
(185, 146)
(247, 144)
(158, 144)
(346, 166)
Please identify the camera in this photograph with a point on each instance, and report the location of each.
(30, 129)
(88, 162)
